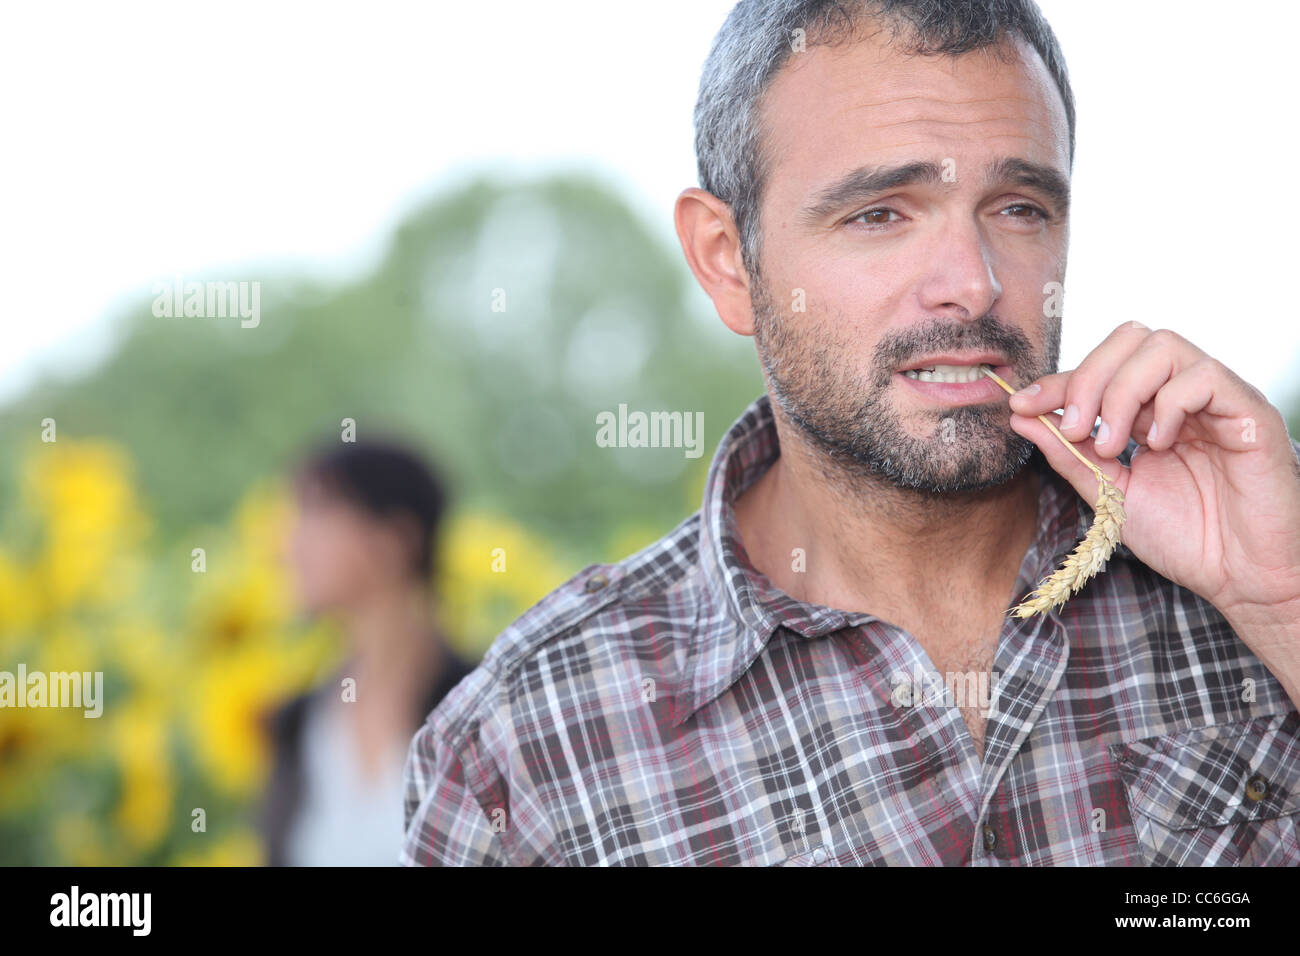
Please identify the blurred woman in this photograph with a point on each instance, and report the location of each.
(362, 552)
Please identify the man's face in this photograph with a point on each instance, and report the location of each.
(956, 265)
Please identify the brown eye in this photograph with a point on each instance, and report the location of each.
(874, 217)
(1028, 211)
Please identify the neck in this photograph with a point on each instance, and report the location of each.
(874, 547)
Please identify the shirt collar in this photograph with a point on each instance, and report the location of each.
(739, 608)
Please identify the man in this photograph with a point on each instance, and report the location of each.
(818, 668)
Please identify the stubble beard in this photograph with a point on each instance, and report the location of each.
(850, 421)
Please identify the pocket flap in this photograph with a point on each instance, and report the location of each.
(1217, 775)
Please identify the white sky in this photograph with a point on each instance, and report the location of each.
(148, 139)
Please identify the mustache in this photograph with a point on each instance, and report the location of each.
(987, 333)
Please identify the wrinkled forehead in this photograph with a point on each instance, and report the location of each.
(866, 100)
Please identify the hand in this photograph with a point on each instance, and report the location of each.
(1213, 491)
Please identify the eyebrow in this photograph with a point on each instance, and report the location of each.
(867, 182)
(1046, 179)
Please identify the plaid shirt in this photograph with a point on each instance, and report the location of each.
(677, 708)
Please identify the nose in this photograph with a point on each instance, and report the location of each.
(960, 281)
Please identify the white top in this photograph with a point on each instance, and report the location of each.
(344, 819)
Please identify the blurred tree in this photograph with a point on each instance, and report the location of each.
(596, 314)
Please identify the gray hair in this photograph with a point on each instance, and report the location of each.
(755, 42)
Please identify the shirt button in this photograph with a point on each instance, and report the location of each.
(596, 582)
(1257, 787)
(990, 838)
(819, 855)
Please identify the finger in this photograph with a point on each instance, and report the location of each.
(1079, 475)
(1142, 422)
(1083, 386)
(1051, 396)
(1084, 389)
(1157, 360)
(1210, 402)
(1048, 397)
(1087, 387)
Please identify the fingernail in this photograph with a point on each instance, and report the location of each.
(1071, 416)
(1103, 432)
(1138, 325)
(1151, 435)
(1029, 390)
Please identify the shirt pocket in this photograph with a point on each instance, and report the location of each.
(1224, 795)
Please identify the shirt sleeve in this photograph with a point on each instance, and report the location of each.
(445, 823)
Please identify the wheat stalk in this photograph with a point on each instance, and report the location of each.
(1092, 552)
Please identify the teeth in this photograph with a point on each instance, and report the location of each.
(954, 374)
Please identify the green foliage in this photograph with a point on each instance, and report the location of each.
(598, 313)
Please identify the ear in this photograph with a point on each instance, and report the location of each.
(711, 245)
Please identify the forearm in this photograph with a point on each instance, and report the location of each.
(1273, 633)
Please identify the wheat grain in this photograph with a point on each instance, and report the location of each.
(1092, 553)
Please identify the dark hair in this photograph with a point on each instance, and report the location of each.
(386, 479)
(755, 41)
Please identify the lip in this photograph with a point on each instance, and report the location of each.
(961, 393)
